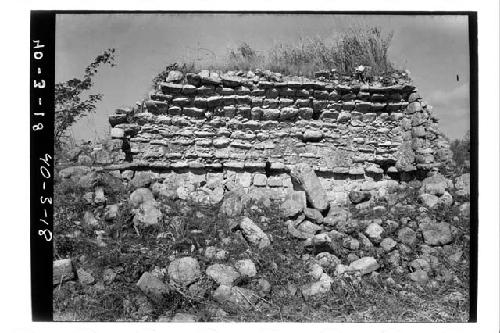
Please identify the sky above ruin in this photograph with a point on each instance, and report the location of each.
(434, 49)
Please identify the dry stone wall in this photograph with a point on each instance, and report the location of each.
(254, 127)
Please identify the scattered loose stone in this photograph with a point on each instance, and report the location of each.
(184, 271)
(240, 298)
(62, 271)
(294, 204)
(85, 277)
(420, 264)
(213, 252)
(181, 317)
(340, 269)
(313, 215)
(304, 175)
(351, 257)
(108, 275)
(264, 286)
(326, 259)
(407, 236)
(379, 210)
(140, 196)
(246, 268)
(89, 219)
(419, 276)
(322, 286)
(254, 234)
(111, 212)
(142, 179)
(436, 233)
(351, 243)
(232, 204)
(357, 197)
(364, 265)
(388, 244)
(152, 286)
(292, 230)
(336, 215)
(373, 231)
(429, 200)
(99, 196)
(308, 227)
(222, 274)
(315, 270)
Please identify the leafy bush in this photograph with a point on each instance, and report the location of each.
(70, 105)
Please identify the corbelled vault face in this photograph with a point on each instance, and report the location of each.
(254, 127)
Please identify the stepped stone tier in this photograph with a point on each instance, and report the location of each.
(256, 126)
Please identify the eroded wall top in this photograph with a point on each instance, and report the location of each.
(351, 125)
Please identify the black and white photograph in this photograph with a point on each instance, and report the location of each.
(262, 167)
(254, 166)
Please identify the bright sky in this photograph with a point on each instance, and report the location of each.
(434, 48)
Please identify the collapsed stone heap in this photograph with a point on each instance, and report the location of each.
(256, 126)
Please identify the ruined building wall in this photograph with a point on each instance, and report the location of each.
(254, 127)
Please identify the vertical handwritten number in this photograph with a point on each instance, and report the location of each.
(45, 172)
(37, 44)
(46, 233)
(37, 127)
(38, 55)
(40, 84)
(45, 200)
(46, 159)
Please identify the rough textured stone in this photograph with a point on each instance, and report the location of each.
(222, 274)
(152, 286)
(62, 271)
(142, 179)
(253, 233)
(364, 265)
(140, 196)
(357, 197)
(374, 231)
(213, 252)
(232, 204)
(246, 268)
(429, 200)
(388, 244)
(181, 317)
(294, 203)
(89, 219)
(308, 227)
(419, 276)
(335, 216)
(323, 285)
(436, 233)
(241, 298)
(313, 215)
(307, 179)
(184, 271)
(85, 277)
